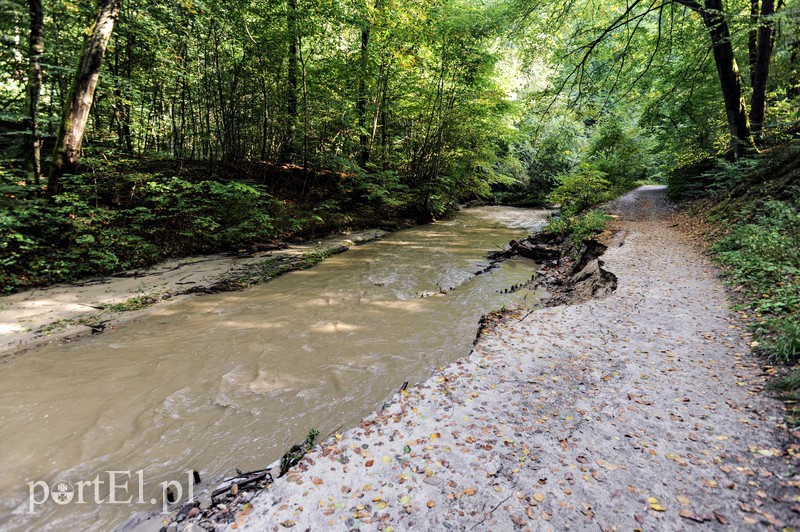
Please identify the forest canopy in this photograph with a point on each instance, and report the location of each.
(131, 131)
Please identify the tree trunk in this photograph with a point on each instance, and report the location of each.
(291, 83)
(752, 40)
(758, 103)
(79, 102)
(729, 77)
(36, 49)
(363, 137)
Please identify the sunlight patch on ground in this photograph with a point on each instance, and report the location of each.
(6, 328)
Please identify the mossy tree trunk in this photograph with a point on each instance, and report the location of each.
(81, 95)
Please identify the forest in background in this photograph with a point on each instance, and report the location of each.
(218, 124)
(135, 131)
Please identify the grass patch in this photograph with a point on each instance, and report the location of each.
(132, 304)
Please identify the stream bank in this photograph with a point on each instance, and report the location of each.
(322, 347)
(570, 275)
(640, 410)
(63, 312)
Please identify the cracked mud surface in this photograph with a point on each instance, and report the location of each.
(641, 410)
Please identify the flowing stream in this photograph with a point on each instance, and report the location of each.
(233, 380)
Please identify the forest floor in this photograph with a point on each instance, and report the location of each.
(66, 311)
(642, 410)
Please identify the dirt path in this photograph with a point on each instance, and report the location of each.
(65, 311)
(641, 410)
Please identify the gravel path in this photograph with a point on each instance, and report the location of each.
(642, 410)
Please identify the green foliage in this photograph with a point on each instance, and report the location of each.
(132, 304)
(576, 192)
(697, 176)
(578, 227)
(293, 456)
(762, 256)
(617, 153)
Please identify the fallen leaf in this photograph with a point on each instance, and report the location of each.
(431, 503)
(607, 465)
(518, 520)
(470, 491)
(686, 514)
(538, 497)
(721, 518)
(655, 505)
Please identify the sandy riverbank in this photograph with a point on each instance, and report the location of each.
(66, 311)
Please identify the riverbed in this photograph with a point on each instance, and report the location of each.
(233, 380)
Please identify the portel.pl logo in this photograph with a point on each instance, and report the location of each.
(114, 489)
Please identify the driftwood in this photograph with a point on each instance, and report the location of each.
(540, 252)
(247, 479)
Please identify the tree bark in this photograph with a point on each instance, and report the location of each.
(35, 51)
(730, 78)
(758, 103)
(752, 40)
(79, 102)
(291, 83)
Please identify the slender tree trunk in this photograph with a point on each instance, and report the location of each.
(729, 77)
(36, 49)
(79, 103)
(758, 103)
(361, 105)
(752, 40)
(126, 107)
(291, 83)
(265, 122)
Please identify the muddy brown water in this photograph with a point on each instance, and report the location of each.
(232, 380)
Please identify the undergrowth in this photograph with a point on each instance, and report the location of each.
(122, 216)
(757, 202)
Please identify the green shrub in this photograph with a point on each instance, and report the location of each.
(579, 191)
(619, 153)
(762, 256)
(580, 226)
